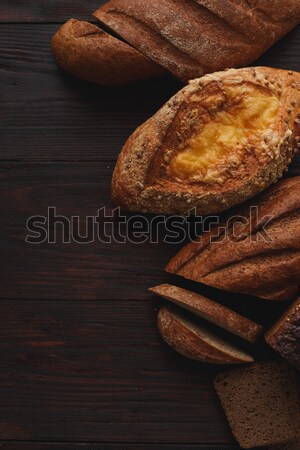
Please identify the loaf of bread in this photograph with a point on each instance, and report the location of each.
(186, 38)
(258, 253)
(284, 336)
(211, 311)
(219, 141)
(196, 342)
(87, 52)
(261, 403)
(192, 37)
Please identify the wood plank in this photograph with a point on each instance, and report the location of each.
(90, 372)
(47, 11)
(96, 446)
(70, 271)
(95, 270)
(47, 115)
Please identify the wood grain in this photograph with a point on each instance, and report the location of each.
(47, 11)
(94, 446)
(47, 115)
(69, 271)
(95, 270)
(88, 371)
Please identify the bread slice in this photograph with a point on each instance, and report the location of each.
(261, 403)
(195, 342)
(284, 336)
(208, 309)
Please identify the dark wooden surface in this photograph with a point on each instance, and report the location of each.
(47, 11)
(82, 365)
(96, 446)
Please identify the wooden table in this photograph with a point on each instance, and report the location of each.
(82, 365)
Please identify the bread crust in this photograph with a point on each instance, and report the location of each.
(213, 312)
(195, 342)
(264, 260)
(87, 52)
(141, 181)
(192, 37)
(284, 336)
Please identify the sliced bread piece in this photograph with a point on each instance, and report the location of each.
(195, 342)
(261, 403)
(208, 309)
(284, 336)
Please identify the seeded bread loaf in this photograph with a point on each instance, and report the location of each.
(196, 342)
(216, 143)
(258, 254)
(261, 403)
(284, 336)
(208, 309)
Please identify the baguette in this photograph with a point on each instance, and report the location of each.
(211, 311)
(260, 257)
(87, 52)
(192, 37)
(195, 342)
(218, 142)
(186, 38)
(284, 336)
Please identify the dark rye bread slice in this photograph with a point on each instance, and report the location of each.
(195, 342)
(284, 336)
(261, 403)
(212, 311)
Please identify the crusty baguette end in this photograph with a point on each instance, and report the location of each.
(88, 52)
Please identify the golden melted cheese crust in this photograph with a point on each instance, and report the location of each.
(227, 132)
